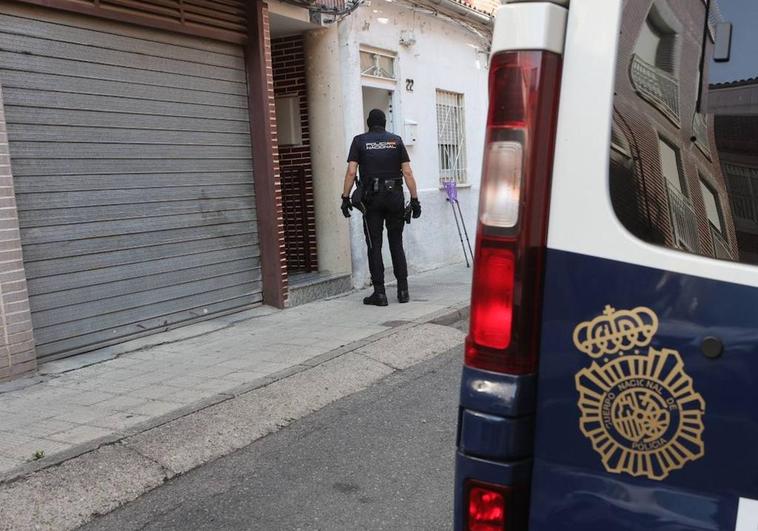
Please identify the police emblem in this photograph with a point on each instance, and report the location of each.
(639, 410)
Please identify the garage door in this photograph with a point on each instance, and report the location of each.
(131, 154)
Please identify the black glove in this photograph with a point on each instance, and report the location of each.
(415, 207)
(346, 206)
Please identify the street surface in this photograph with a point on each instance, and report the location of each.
(379, 459)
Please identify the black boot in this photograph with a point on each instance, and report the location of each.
(403, 296)
(377, 299)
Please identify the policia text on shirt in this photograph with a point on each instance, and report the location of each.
(384, 163)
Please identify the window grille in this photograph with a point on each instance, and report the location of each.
(743, 191)
(451, 137)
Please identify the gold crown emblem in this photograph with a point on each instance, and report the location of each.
(616, 331)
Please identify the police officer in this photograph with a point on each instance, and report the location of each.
(383, 162)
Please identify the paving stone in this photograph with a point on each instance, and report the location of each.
(119, 421)
(155, 408)
(217, 371)
(8, 463)
(9, 422)
(81, 434)
(10, 439)
(187, 396)
(185, 382)
(154, 392)
(88, 398)
(47, 427)
(239, 363)
(214, 385)
(126, 362)
(81, 414)
(122, 403)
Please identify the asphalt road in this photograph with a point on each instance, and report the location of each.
(379, 459)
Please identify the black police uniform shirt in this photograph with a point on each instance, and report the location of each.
(379, 154)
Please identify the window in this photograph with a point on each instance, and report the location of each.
(654, 201)
(671, 166)
(649, 41)
(715, 221)
(656, 42)
(451, 137)
(653, 61)
(377, 63)
(712, 205)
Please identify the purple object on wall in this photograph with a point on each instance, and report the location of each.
(452, 191)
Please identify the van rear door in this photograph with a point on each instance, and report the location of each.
(647, 412)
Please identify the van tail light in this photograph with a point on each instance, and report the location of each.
(506, 296)
(486, 508)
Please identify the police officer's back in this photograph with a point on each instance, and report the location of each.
(384, 164)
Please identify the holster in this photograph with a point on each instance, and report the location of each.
(358, 199)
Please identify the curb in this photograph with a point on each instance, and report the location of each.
(444, 317)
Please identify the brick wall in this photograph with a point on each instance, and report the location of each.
(288, 56)
(642, 203)
(276, 208)
(17, 352)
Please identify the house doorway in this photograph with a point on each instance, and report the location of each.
(378, 98)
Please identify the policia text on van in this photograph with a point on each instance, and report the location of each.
(383, 162)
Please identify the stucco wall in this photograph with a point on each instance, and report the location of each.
(444, 57)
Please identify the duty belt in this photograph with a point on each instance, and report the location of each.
(379, 185)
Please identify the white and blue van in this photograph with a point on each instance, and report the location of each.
(611, 367)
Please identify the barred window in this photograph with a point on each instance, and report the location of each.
(451, 136)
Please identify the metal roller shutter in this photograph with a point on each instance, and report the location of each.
(131, 154)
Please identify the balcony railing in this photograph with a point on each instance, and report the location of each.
(657, 86)
(720, 245)
(683, 219)
(743, 207)
(333, 5)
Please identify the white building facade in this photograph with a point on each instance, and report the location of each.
(427, 69)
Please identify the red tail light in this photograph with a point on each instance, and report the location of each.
(513, 212)
(486, 507)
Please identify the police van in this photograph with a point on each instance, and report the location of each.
(610, 380)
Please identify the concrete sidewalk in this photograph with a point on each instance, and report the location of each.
(79, 404)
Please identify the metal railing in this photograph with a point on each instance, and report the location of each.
(743, 187)
(700, 131)
(720, 245)
(657, 86)
(743, 207)
(338, 7)
(683, 219)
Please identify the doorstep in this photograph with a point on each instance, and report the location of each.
(309, 287)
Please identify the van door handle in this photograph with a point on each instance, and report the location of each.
(712, 347)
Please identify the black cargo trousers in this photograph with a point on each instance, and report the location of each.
(386, 207)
